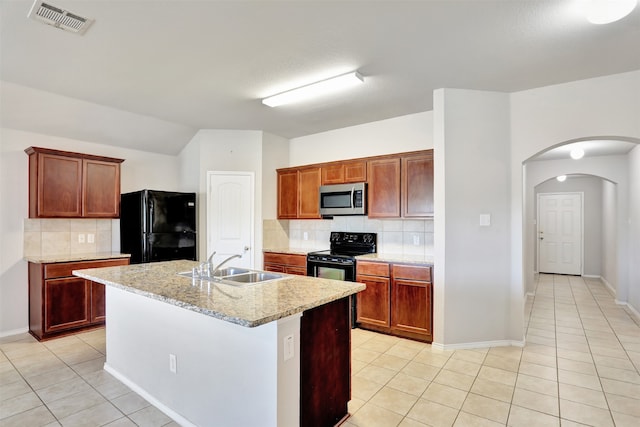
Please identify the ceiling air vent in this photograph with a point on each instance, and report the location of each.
(58, 17)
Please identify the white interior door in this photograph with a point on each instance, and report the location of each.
(230, 217)
(560, 233)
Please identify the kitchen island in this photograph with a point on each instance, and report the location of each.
(275, 353)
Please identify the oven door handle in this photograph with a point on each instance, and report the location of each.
(347, 264)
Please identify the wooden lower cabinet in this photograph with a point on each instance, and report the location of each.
(280, 262)
(60, 302)
(325, 364)
(398, 299)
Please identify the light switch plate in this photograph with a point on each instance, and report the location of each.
(485, 220)
(288, 347)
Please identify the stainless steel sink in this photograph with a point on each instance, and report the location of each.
(254, 277)
(235, 276)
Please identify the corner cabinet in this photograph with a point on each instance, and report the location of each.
(298, 193)
(60, 302)
(417, 186)
(398, 299)
(72, 185)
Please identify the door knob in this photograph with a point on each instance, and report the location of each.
(246, 248)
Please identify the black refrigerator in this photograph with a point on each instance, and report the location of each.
(158, 225)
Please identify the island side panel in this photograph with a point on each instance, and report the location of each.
(226, 374)
(325, 359)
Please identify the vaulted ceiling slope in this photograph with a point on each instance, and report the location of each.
(189, 65)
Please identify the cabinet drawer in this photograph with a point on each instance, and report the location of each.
(64, 269)
(414, 272)
(287, 259)
(373, 268)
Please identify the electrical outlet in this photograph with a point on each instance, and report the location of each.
(305, 235)
(91, 238)
(81, 238)
(288, 347)
(416, 240)
(173, 363)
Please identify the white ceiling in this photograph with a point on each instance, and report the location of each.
(161, 70)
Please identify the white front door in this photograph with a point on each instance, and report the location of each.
(230, 217)
(560, 233)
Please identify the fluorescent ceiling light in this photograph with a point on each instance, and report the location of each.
(606, 11)
(562, 178)
(332, 84)
(577, 153)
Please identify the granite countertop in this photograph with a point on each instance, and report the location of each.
(400, 258)
(45, 259)
(249, 306)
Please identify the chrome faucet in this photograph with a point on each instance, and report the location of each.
(217, 267)
(205, 267)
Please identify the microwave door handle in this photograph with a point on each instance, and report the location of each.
(353, 197)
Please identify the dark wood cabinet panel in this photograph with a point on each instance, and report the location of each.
(384, 188)
(417, 186)
(372, 305)
(101, 197)
(66, 303)
(60, 183)
(285, 263)
(98, 306)
(344, 172)
(72, 185)
(325, 364)
(398, 299)
(411, 311)
(60, 302)
(288, 194)
(308, 193)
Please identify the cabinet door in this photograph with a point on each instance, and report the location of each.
(308, 193)
(288, 195)
(417, 186)
(384, 188)
(66, 303)
(97, 302)
(355, 171)
(333, 174)
(59, 186)
(101, 189)
(373, 303)
(411, 308)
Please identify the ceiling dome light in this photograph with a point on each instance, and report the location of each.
(606, 11)
(562, 178)
(577, 153)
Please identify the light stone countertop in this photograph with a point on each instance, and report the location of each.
(249, 305)
(292, 251)
(399, 258)
(45, 259)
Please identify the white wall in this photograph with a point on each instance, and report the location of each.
(591, 187)
(471, 283)
(139, 170)
(224, 150)
(634, 229)
(412, 132)
(546, 117)
(609, 234)
(275, 155)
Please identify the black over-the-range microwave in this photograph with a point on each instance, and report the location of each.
(343, 199)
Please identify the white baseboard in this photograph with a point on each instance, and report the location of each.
(149, 398)
(478, 344)
(14, 332)
(631, 308)
(592, 276)
(609, 287)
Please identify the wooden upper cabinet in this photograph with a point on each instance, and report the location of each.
(384, 188)
(298, 191)
(72, 185)
(344, 172)
(101, 189)
(417, 186)
(308, 193)
(288, 194)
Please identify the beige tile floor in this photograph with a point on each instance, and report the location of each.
(580, 367)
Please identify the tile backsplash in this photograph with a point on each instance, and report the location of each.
(395, 236)
(44, 237)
